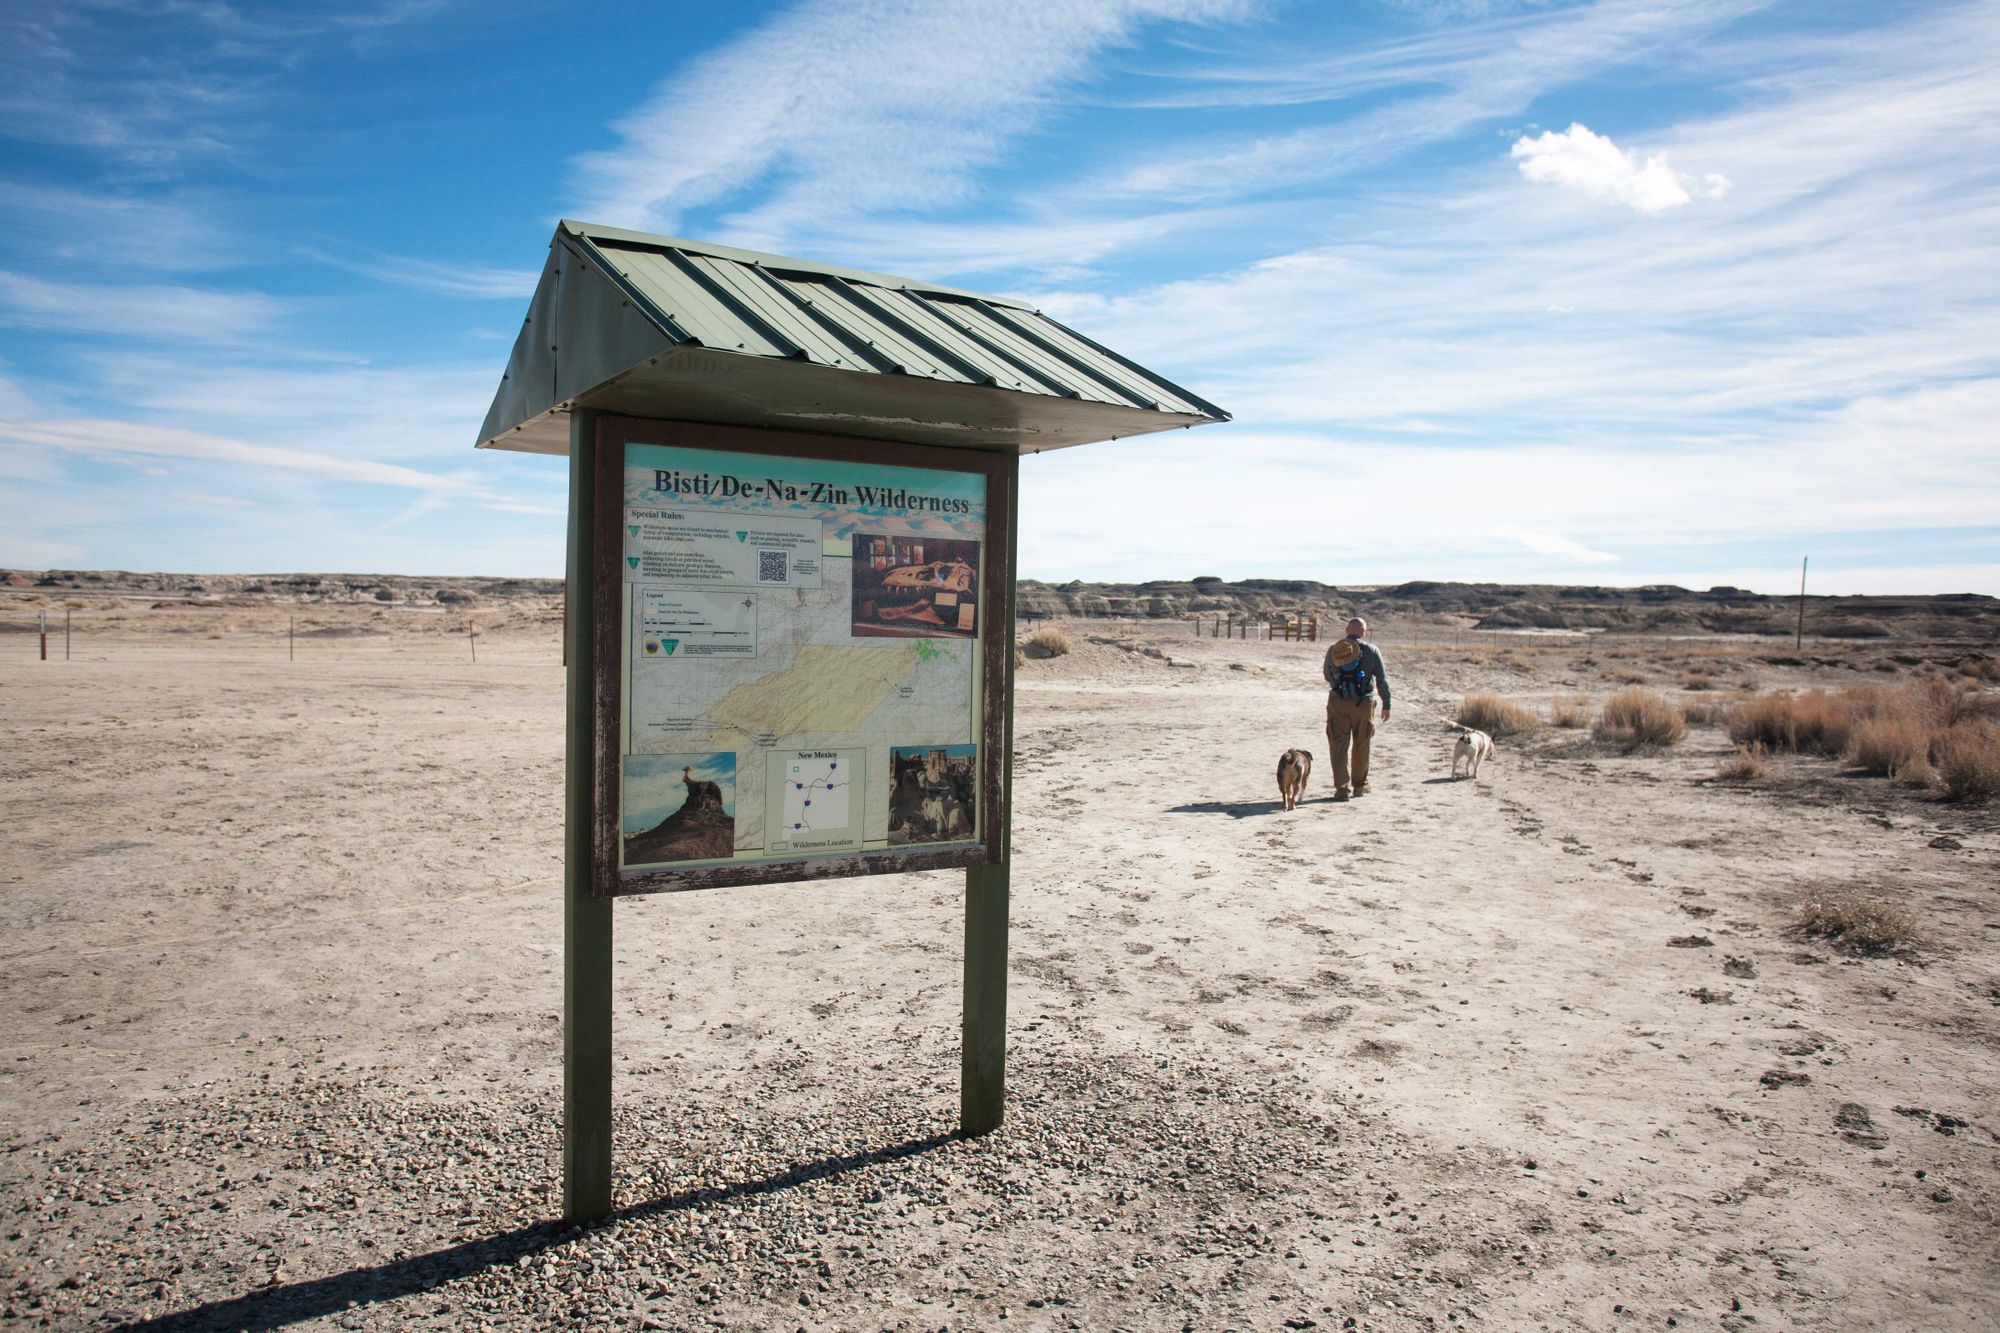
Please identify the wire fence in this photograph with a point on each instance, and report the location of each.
(93, 634)
(533, 635)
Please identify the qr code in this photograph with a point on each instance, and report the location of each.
(771, 567)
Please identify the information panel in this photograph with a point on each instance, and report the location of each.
(802, 659)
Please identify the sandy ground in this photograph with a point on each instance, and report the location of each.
(282, 966)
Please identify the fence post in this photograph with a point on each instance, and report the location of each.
(65, 634)
(45, 633)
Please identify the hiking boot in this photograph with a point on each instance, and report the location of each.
(1362, 790)
(1340, 795)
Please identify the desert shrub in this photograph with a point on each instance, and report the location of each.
(1814, 723)
(1635, 717)
(1944, 703)
(1893, 745)
(1967, 760)
(1854, 921)
(1483, 710)
(1745, 765)
(1625, 677)
(1571, 711)
(1697, 680)
(1046, 643)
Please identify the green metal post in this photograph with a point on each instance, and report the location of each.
(982, 1087)
(586, 918)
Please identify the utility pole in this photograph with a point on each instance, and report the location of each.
(1799, 638)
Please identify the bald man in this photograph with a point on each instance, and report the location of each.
(1354, 675)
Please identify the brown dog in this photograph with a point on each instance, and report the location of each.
(1294, 767)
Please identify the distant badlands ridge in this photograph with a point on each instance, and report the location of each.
(1489, 606)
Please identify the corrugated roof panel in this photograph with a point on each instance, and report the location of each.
(980, 322)
(1035, 330)
(1010, 371)
(869, 347)
(963, 360)
(758, 291)
(1148, 390)
(655, 324)
(917, 354)
(688, 303)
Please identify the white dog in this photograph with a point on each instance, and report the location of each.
(1472, 748)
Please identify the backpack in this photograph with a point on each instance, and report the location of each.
(1353, 681)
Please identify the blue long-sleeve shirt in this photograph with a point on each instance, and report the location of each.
(1371, 660)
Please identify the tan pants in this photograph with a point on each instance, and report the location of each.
(1349, 721)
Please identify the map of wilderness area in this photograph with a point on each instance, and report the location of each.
(802, 666)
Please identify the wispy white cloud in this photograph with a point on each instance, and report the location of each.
(837, 107)
(154, 86)
(154, 311)
(1439, 86)
(1360, 510)
(435, 275)
(408, 411)
(1553, 545)
(118, 230)
(22, 548)
(118, 439)
(1592, 165)
(1836, 270)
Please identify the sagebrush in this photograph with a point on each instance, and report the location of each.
(1483, 710)
(1631, 719)
(1967, 761)
(1747, 764)
(1046, 643)
(1855, 921)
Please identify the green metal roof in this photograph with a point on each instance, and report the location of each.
(661, 327)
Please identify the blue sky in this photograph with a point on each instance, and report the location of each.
(1616, 292)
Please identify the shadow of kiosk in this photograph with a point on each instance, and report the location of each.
(791, 566)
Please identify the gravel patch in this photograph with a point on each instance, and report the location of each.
(1135, 1190)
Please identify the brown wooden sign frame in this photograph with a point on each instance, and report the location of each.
(613, 434)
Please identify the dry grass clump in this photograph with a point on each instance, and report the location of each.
(1698, 678)
(1046, 643)
(1856, 922)
(1570, 711)
(1929, 729)
(1483, 710)
(1746, 765)
(1633, 718)
(1621, 676)
(1812, 723)
(1967, 761)
(1893, 745)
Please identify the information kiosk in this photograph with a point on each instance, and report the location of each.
(791, 590)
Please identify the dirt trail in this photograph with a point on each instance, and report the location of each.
(1533, 1050)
